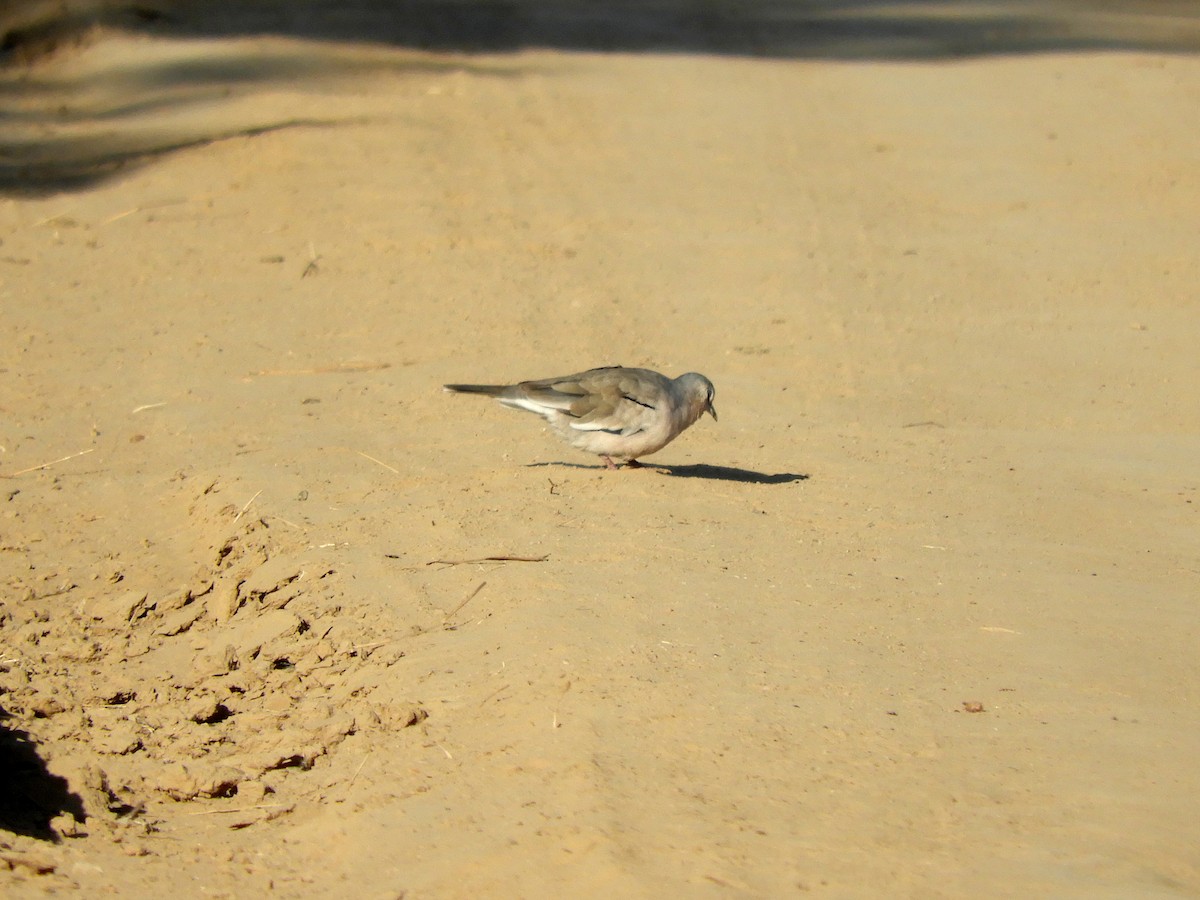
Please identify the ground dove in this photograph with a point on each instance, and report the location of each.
(614, 412)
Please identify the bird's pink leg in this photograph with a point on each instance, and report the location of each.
(608, 463)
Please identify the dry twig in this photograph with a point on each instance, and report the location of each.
(246, 507)
(566, 687)
(379, 461)
(52, 462)
(471, 596)
(486, 559)
(326, 370)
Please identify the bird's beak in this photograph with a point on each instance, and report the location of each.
(712, 411)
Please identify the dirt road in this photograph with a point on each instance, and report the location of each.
(917, 617)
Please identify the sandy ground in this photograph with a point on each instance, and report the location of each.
(917, 617)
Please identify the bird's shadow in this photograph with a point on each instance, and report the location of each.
(712, 473)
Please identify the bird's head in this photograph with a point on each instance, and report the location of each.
(701, 392)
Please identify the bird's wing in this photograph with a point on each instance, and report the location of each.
(613, 399)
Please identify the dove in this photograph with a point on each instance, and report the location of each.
(614, 412)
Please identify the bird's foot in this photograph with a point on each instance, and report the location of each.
(632, 464)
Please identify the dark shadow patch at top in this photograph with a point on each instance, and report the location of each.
(813, 29)
(48, 159)
(801, 29)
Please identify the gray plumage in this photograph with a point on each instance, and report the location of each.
(614, 412)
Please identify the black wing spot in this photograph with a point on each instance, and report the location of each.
(637, 401)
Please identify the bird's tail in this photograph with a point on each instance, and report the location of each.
(489, 390)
